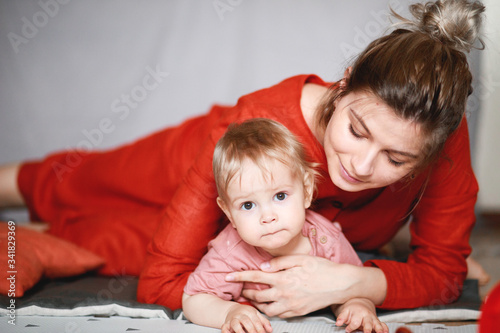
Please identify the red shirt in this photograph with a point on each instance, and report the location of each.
(111, 202)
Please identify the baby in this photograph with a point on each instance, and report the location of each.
(265, 186)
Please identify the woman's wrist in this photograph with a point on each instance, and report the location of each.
(368, 282)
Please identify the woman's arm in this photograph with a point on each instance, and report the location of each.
(302, 284)
(188, 223)
(210, 310)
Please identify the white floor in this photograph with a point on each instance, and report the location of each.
(37, 324)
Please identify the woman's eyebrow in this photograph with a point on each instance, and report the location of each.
(403, 153)
(358, 118)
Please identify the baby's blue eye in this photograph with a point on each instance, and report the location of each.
(247, 205)
(280, 196)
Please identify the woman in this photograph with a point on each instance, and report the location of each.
(392, 141)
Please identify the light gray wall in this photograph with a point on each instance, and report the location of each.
(97, 74)
(65, 68)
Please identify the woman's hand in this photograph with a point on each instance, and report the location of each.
(301, 284)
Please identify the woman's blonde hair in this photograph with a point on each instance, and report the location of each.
(260, 140)
(420, 70)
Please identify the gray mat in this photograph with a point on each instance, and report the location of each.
(90, 295)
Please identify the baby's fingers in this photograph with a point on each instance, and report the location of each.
(237, 325)
(354, 324)
(226, 328)
(249, 326)
(367, 326)
(245, 324)
(380, 327)
(265, 323)
(256, 325)
(343, 318)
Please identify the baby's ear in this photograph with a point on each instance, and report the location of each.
(223, 206)
(308, 189)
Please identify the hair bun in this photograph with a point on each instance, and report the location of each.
(456, 23)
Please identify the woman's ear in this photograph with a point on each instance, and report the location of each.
(347, 76)
(347, 73)
(223, 206)
(308, 189)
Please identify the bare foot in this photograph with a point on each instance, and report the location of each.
(37, 226)
(10, 196)
(477, 272)
(387, 250)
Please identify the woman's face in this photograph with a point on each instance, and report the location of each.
(367, 145)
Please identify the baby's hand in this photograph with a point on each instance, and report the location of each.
(359, 313)
(245, 318)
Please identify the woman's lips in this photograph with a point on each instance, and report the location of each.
(347, 176)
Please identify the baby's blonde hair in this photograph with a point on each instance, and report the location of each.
(259, 140)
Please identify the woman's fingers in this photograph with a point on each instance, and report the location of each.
(298, 285)
(275, 309)
(285, 262)
(251, 276)
(260, 296)
(274, 265)
(307, 263)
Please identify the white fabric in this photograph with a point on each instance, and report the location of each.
(412, 316)
(94, 310)
(415, 316)
(418, 316)
(37, 324)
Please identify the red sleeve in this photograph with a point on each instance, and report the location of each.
(440, 230)
(191, 218)
(188, 223)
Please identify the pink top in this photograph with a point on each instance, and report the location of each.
(228, 253)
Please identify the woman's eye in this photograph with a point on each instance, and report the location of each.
(395, 163)
(354, 133)
(281, 196)
(247, 205)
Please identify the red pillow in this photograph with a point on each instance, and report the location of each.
(27, 255)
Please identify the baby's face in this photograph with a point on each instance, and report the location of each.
(267, 209)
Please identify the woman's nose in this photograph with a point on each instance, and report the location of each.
(363, 163)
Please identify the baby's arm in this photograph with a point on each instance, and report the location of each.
(359, 313)
(210, 310)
